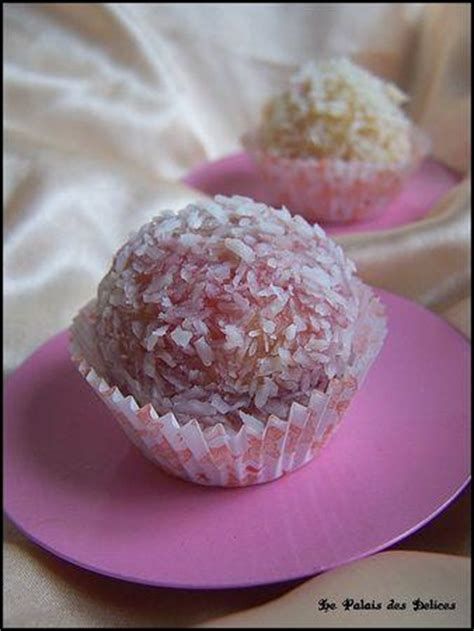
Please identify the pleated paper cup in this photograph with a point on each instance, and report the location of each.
(333, 190)
(214, 456)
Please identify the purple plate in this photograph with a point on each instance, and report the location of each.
(74, 484)
(236, 175)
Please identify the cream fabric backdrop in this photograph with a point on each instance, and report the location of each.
(108, 105)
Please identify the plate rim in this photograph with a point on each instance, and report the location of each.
(310, 574)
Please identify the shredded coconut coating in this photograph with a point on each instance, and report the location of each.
(228, 308)
(335, 109)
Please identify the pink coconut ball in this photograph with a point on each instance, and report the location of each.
(227, 310)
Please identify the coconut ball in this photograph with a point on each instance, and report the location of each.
(228, 308)
(336, 109)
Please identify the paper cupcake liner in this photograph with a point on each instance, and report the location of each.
(333, 190)
(214, 456)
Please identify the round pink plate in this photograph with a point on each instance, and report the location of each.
(74, 483)
(236, 175)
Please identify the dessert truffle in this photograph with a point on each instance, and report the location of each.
(336, 145)
(337, 109)
(230, 310)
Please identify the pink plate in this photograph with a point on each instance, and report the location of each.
(75, 485)
(236, 175)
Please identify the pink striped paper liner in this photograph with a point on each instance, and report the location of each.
(333, 190)
(214, 456)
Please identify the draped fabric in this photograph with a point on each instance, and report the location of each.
(107, 106)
